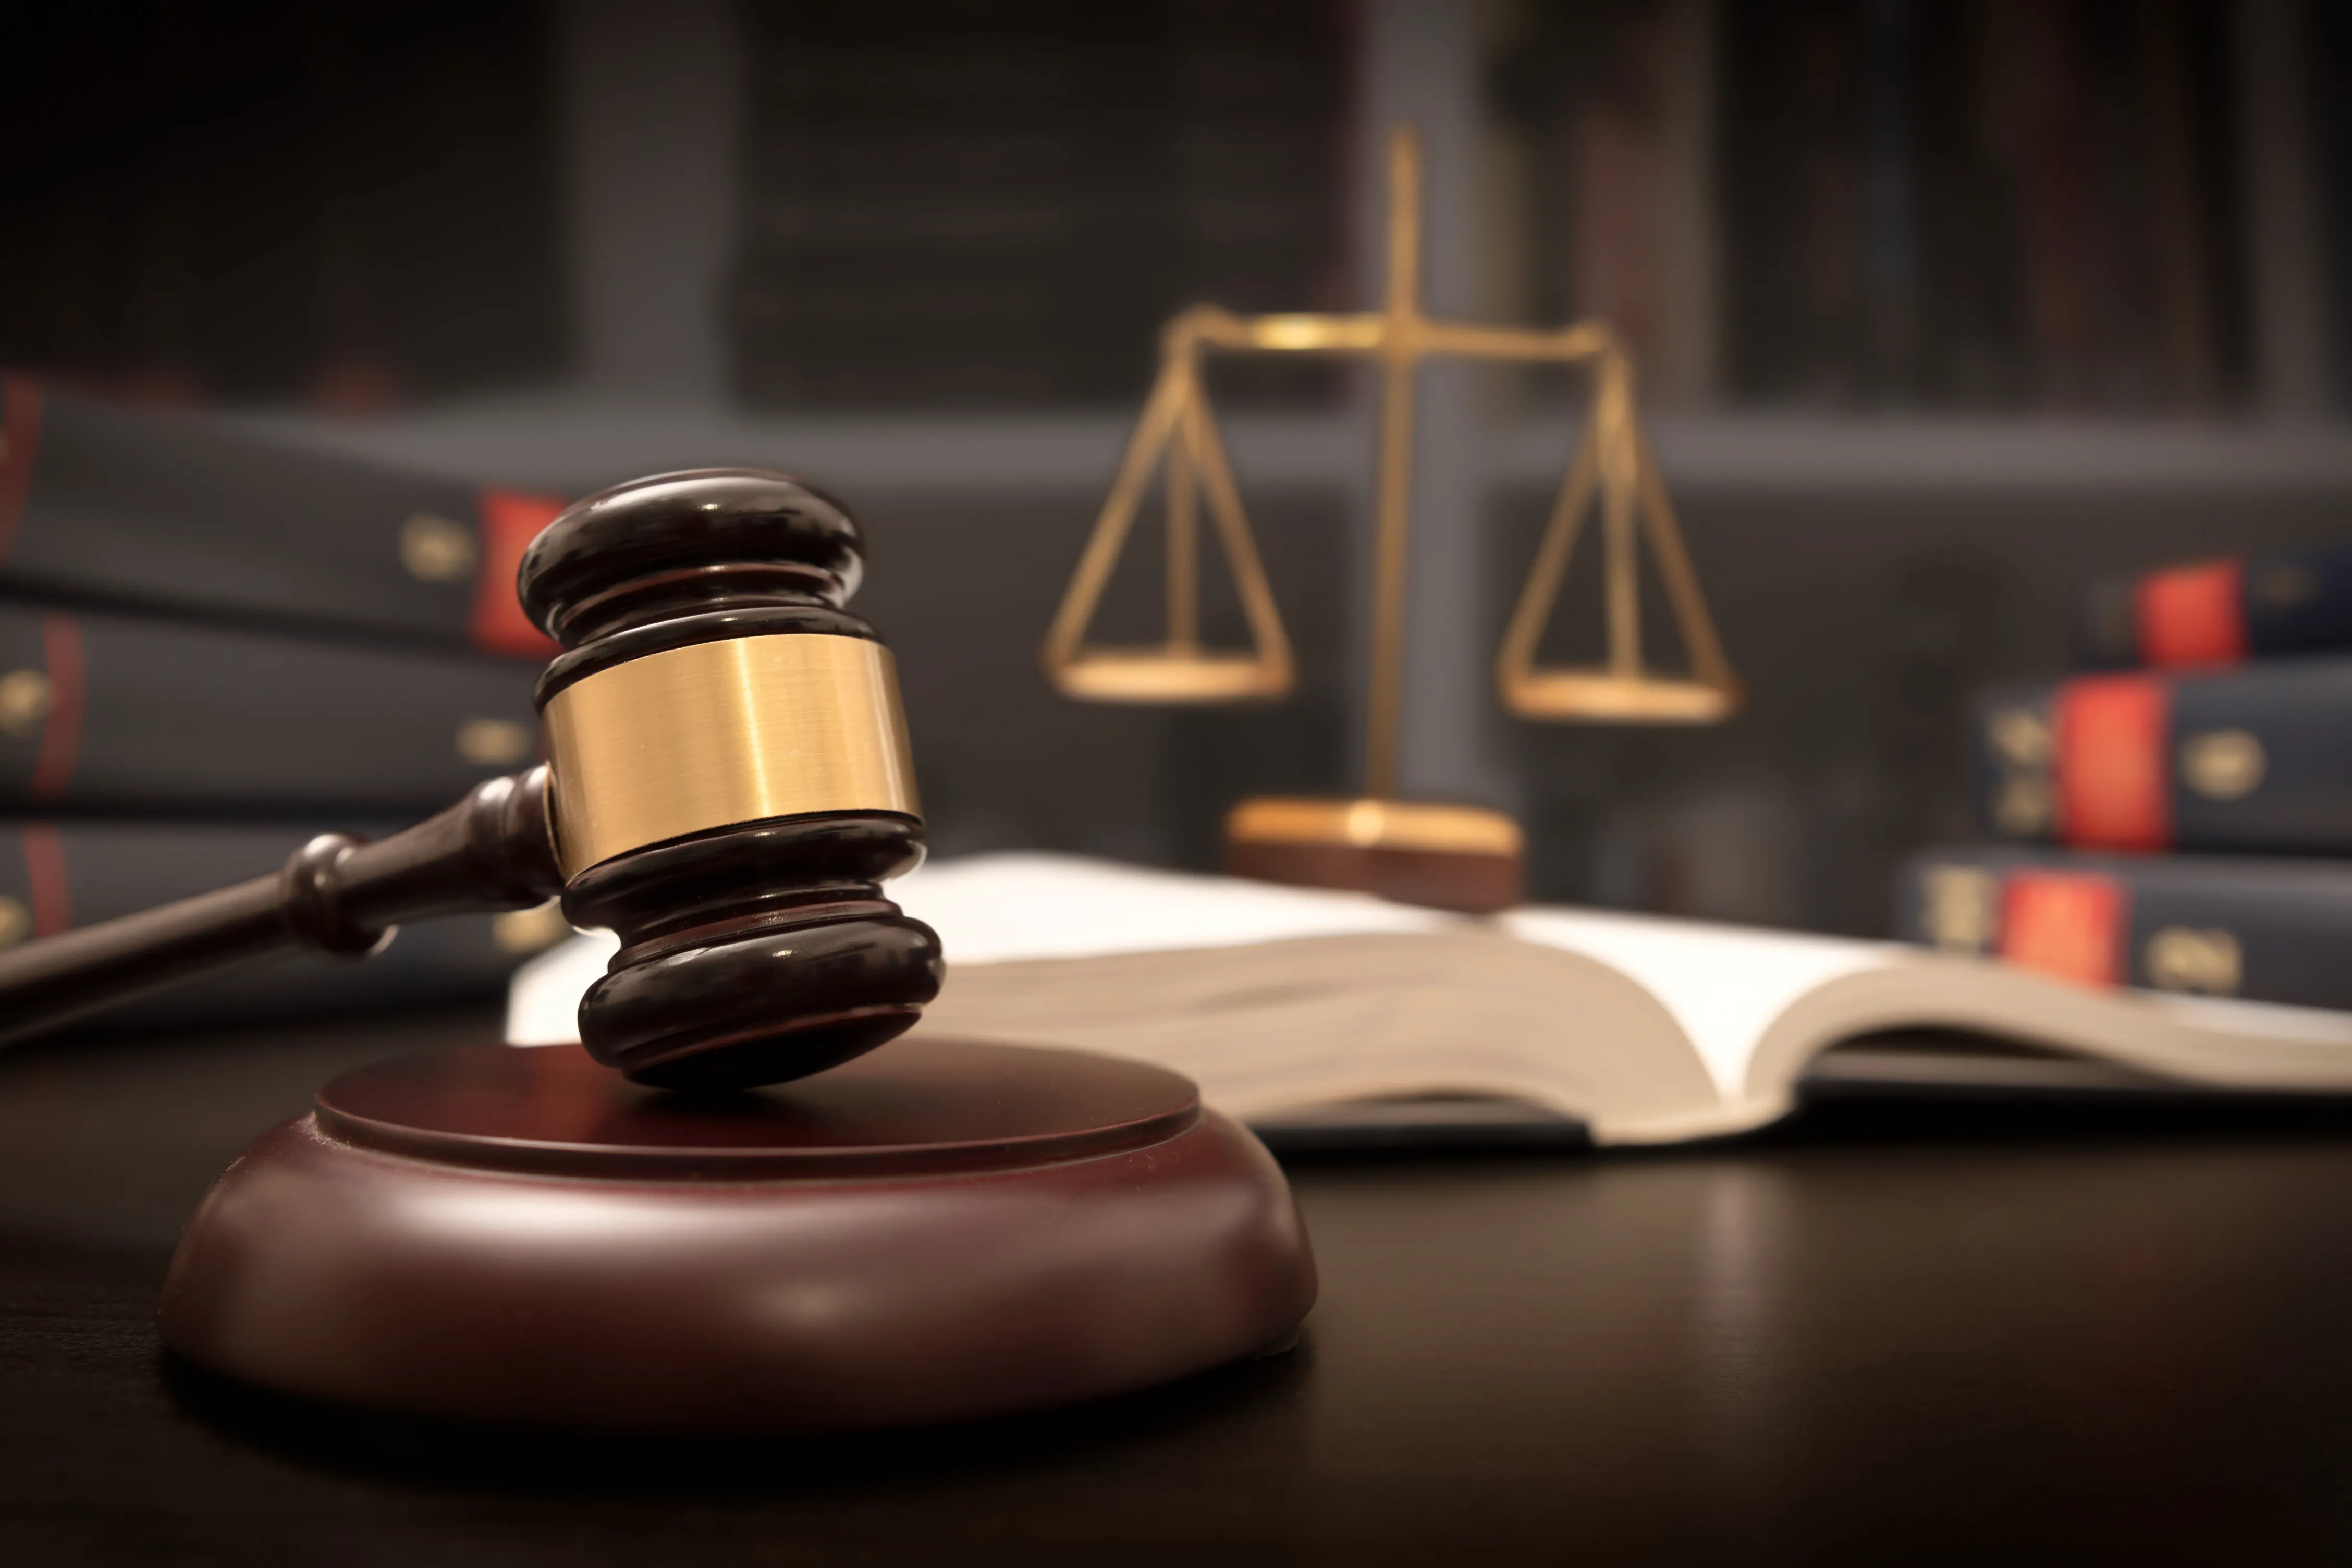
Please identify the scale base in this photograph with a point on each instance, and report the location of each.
(1461, 858)
(938, 1231)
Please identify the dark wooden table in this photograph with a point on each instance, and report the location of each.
(1879, 1334)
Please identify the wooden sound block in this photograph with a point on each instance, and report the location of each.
(940, 1230)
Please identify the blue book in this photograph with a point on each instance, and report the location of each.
(2256, 760)
(2217, 613)
(2262, 930)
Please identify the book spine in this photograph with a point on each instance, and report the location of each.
(2257, 760)
(2331, 63)
(1970, 101)
(2056, 206)
(1685, 371)
(114, 712)
(2183, 207)
(2219, 613)
(2264, 931)
(1890, 199)
(1829, 307)
(177, 512)
(1617, 261)
(58, 875)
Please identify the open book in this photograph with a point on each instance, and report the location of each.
(1288, 1004)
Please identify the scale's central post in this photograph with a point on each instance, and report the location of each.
(1455, 856)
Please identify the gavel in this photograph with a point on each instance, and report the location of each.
(728, 787)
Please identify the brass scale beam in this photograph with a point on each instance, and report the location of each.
(1613, 459)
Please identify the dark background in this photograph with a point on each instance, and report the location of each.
(1942, 305)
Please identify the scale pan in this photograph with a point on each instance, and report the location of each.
(1156, 675)
(1630, 698)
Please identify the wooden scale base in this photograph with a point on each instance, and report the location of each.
(1462, 857)
(937, 1231)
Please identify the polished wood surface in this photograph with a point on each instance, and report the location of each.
(924, 1106)
(1882, 1334)
(940, 1230)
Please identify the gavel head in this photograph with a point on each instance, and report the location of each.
(729, 780)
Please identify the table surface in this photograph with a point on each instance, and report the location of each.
(1925, 1333)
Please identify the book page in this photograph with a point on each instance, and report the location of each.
(999, 909)
(2188, 1040)
(1725, 984)
(543, 997)
(1276, 998)
(1279, 1027)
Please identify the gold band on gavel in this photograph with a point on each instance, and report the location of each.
(723, 732)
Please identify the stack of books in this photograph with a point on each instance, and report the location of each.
(2179, 816)
(212, 648)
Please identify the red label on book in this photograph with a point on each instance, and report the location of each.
(2190, 615)
(2115, 790)
(61, 652)
(510, 522)
(20, 436)
(45, 878)
(2069, 924)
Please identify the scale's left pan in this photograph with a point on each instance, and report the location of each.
(940, 1230)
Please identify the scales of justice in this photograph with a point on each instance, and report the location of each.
(1453, 856)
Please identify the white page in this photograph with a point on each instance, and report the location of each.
(1723, 983)
(543, 997)
(1001, 909)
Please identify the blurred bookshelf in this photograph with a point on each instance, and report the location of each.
(351, 207)
(1938, 305)
(950, 206)
(567, 441)
(1853, 242)
(1860, 246)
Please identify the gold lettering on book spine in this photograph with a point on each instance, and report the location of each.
(2181, 959)
(1960, 907)
(724, 733)
(2223, 764)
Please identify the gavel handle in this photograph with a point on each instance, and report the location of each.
(337, 894)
